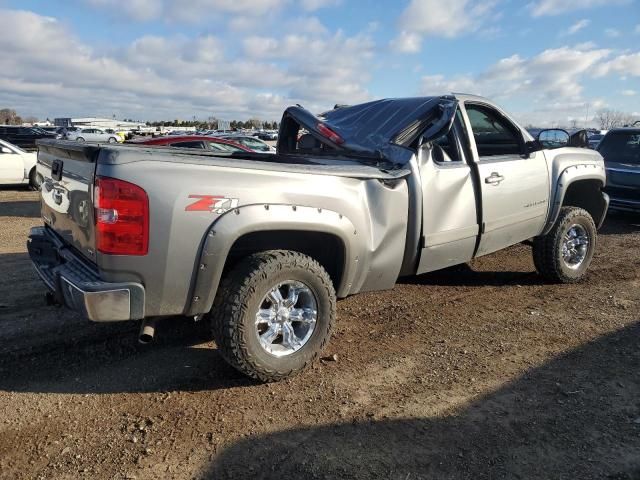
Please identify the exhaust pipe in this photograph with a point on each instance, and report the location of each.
(147, 330)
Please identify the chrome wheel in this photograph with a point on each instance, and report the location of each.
(575, 246)
(286, 318)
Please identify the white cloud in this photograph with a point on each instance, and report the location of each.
(198, 11)
(637, 30)
(422, 18)
(138, 10)
(550, 81)
(158, 77)
(311, 5)
(556, 7)
(626, 64)
(628, 93)
(612, 32)
(407, 42)
(576, 27)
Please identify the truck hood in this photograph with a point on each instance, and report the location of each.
(376, 128)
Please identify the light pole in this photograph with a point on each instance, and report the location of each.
(586, 117)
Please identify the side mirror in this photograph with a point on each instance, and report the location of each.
(553, 138)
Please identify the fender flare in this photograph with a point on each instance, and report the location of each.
(232, 225)
(568, 176)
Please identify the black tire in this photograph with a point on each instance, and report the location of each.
(547, 249)
(79, 139)
(112, 140)
(239, 298)
(35, 182)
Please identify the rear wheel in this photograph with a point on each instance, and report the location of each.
(112, 140)
(565, 253)
(273, 314)
(79, 139)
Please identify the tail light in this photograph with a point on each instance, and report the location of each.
(122, 217)
(329, 134)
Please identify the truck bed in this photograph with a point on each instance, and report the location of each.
(174, 180)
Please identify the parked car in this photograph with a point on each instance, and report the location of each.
(50, 129)
(121, 134)
(267, 135)
(594, 140)
(18, 166)
(252, 143)
(93, 135)
(620, 148)
(262, 246)
(24, 137)
(215, 144)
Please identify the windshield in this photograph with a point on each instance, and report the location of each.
(11, 146)
(622, 147)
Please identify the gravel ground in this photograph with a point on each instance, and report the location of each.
(476, 372)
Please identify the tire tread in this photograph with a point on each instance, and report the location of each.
(545, 257)
(230, 307)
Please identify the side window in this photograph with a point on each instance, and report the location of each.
(494, 135)
(446, 149)
(223, 147)
(196, 144)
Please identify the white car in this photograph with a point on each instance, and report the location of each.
(93, 135)
(17, 166)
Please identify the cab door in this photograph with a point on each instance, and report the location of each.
(450, 225)
(514, 186)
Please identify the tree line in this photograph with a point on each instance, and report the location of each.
(608, 119)
(8, 116)
(215, 124)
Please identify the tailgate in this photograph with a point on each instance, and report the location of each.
(68, 170)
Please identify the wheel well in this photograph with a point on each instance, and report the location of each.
(325, 248)
(587, 194)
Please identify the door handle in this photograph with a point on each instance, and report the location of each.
(494, 179)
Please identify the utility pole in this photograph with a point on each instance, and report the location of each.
(586, 117)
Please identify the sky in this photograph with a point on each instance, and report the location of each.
(547, 62)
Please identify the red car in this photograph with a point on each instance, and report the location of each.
(214, 144)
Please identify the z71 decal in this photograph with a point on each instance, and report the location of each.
(211, 203)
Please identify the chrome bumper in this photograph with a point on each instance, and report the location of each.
(78, 286)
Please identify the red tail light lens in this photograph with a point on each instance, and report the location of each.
(122, 217)
(329, 134)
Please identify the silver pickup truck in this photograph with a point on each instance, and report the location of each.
(262, 245)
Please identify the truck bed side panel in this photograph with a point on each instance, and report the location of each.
(186, 199)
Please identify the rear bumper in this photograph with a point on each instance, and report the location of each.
(78, 286)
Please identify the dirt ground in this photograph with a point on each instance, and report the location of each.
(478, 372)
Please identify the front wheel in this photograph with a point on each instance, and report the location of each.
(273, 314)
(35, 180)
(565, 253)
(112, 140)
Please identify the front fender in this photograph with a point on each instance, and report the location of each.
(569, 176)
(229, 227)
